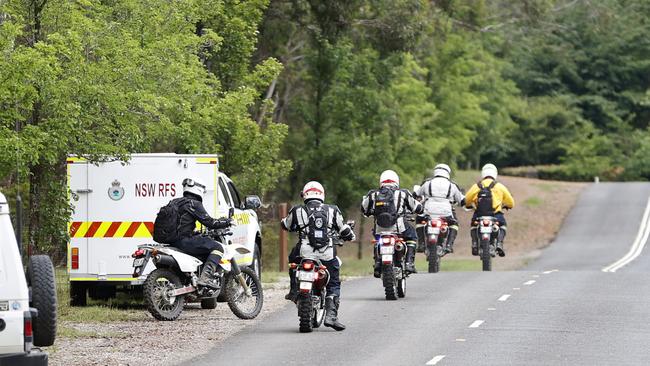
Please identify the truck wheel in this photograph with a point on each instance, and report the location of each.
(41, 280)
(210, 303)
(78, 292)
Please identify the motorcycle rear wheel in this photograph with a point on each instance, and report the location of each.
(158, 282)
(486, 258)
(305, 311)
(433, 258)
(242, 305)
(388, 278)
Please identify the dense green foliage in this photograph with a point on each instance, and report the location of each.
(335, 90)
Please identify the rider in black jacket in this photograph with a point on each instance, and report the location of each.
(191, 210)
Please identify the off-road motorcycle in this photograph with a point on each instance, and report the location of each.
(487, 230)
(175, 280)
(432, 239)
(390, 249)
(312, 277)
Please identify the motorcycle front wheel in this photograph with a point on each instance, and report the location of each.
(243, 305)
(158, 302)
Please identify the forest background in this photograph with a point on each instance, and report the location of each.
(288, 91)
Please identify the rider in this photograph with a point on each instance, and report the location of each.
(501, 199)
(190, 210)
(439, 194)
(305, 219)
(388, 205)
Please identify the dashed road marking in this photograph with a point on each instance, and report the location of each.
(516, 288)
(476, 324)
(435, 360)
(460, 339)
(492, 309)
(504, 297)
(535, 276)
(547, 272)
(528, 283)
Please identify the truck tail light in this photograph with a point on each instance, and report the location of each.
(28, 331)
(74, 258)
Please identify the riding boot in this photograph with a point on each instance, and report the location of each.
(451, 238)
(293, 286)
(410, 258)
(331, 313)
(209, 269)
(474, 236)
(500, 237)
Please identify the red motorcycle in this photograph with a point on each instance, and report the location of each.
(312, 277)
(432, 239)
(391, 250)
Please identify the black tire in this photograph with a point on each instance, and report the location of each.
(401, 287)
(486, 258)
(41, 279)
(257, 262)
(160, 280)
(319, 313)
(209, 304)
(305, 314)
(234, 294)
(388, 279)
(78, 291)
(434, 259)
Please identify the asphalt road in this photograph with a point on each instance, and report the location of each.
(560, 310)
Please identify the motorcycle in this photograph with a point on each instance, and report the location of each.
(391, 250)
(175, 280)
(432, 239)
(312, 277)
(487, 228)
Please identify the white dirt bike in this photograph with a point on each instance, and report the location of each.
(175, 280)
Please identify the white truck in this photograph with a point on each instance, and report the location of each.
(27, 302)
(115, 205)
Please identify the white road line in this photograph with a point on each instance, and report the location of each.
(547, 272)
(516, 288)
(528, 283)
(435, 360)
(460, 339)
(476, 324)
(492, 309)
(535, 276)
(504, 297)
(637, 245)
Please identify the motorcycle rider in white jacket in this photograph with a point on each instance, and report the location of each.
(439, 194)
(300, 219)
(404, 203)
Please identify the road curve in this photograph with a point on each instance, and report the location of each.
(561, 310)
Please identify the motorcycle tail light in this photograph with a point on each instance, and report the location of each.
(386, 239)
(138, 253)
(293, 265)
(486, 222)
(435, 223)
(308, 266)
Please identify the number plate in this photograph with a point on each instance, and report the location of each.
(305, 285)
(435, 230)
(388, 249)
(138, 262)
(387, 258)
(486, 229)
(306, 276)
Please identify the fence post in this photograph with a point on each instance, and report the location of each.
(283, 240)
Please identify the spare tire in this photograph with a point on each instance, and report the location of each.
(40, 275)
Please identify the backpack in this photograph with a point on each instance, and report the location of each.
(384, 209)
(165, 228)
(484, 205)
(318, 226)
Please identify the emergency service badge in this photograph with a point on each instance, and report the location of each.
(116, 192)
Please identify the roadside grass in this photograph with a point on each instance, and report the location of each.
(533, 201)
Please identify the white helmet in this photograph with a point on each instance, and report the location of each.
(489, 170)
(194, 186)
(388, 177)
(313, 190)
(442, 170)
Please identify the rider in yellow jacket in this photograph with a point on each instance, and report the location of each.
(501, 199)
